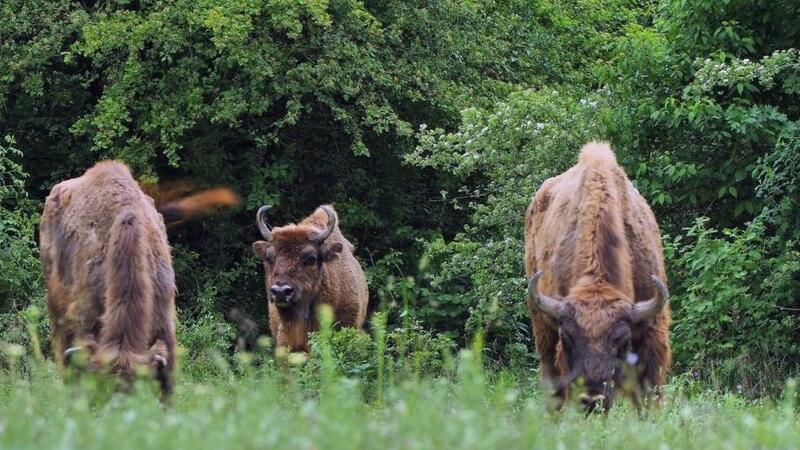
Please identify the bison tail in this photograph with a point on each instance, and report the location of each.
(197, 204)
(595, 152)
(128, 315)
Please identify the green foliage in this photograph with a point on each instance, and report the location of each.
(21, 288)
(205, 338)
(415, 352)
(292, 103)
(736, 291)
(395, 355)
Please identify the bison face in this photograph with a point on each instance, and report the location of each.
(294, 258)
(595, 356)
(293, 268)
(595, 341)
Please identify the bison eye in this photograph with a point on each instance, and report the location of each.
(309, 260)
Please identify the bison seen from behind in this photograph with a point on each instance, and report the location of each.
(108, 271)
(596, 293)
(307, 265)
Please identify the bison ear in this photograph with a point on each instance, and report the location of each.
(260, 249)
(331, 252)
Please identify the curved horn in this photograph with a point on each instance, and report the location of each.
(322, 235)
(261, 220)
(160, 361)
(648, 309)
(71, 351)
(550, 306)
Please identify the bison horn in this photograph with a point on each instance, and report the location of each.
(261, 220)
(550, 306)
(160, 361)
(322, 235)
(648, 309)
(71, 351)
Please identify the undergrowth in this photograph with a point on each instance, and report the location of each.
(372, 396)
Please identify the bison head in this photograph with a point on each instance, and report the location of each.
(294, 258)
(595, 339)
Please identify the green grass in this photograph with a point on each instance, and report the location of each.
(268, 408)
(393, 397)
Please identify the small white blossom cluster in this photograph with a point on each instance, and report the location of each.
(713, 75)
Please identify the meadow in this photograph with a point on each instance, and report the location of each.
(277, 405)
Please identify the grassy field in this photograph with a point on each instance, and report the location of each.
(268, 408)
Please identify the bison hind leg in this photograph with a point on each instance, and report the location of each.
(160, 361)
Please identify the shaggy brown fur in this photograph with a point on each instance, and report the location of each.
(108, 270)
(597, 242)
(325, 273)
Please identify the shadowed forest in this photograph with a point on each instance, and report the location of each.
(429, 125)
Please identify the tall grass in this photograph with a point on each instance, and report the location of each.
(307, 403)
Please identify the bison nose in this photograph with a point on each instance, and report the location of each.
(282, 293)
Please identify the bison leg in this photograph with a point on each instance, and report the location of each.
(654, 357)
(162, 359)
(61, 338)
(162, 352)
(61, 342)
(546, 338)
(348, 314)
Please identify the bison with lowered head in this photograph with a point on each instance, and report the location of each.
(596, 291)
(307, 265)
(108, 271)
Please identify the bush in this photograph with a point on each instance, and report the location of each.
(416, 352)
(388, 357)
(735, 288)
(22, 318)
(206, 339)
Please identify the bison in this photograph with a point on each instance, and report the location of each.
(307, 265)
(596, 292)
(108, 271)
